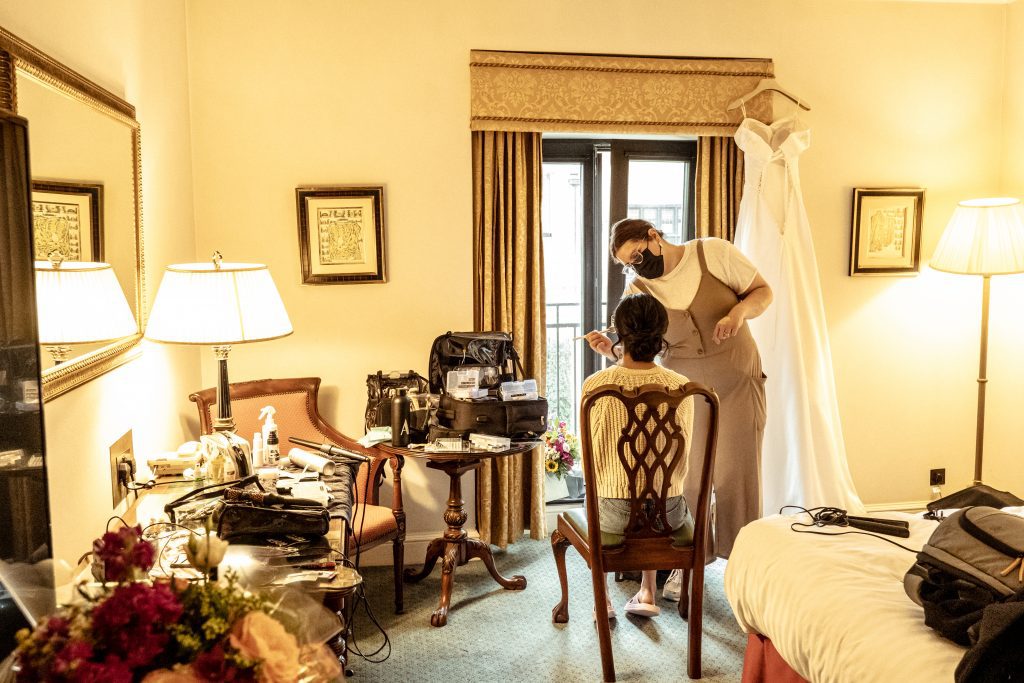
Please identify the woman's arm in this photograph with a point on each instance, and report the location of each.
(753, 302)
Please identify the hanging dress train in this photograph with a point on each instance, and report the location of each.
(804, 456)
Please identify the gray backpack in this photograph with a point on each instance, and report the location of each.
(974, 558)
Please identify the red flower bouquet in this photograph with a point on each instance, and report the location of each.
(170, 632)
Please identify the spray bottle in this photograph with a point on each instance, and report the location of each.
(271, 451)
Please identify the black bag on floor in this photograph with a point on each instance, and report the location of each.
(382, 387)
(499, 362)
(972, 560)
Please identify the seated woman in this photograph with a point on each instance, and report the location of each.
(641, 322)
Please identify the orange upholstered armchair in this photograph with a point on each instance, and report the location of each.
(296, 403)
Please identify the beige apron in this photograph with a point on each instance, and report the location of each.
(733, 369)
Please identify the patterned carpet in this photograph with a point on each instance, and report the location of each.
(497, 635)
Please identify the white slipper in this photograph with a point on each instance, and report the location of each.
(641, 609)
(611, 613)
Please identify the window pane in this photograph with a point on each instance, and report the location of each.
(562, 218)
(658, 193)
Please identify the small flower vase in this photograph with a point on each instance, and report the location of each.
(574, 482)
(555, 487)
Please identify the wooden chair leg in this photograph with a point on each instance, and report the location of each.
(696, 622)
(398, 553)
(559, 543)
(604, 634)
(684, 594)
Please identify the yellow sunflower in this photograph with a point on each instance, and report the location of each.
(551, 466)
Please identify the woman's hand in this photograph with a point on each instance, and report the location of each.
(752, 303)
(729, 326)
(600, 343)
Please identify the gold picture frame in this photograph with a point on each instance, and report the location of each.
(885, 234)
(341, 234)
(67, 218)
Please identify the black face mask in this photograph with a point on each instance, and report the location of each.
(651, 266)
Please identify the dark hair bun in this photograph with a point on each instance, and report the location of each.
(641, 322)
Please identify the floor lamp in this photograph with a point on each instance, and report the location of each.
(984, 237)
(218, 304)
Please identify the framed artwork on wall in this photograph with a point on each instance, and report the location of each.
(885, 235)
(67, 218)
(341, 234)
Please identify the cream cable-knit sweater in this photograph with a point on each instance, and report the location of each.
(608, 416)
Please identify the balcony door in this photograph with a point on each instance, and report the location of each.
(589, 184)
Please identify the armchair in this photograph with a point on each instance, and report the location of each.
(296, 402)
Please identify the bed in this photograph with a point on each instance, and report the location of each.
(832, 609)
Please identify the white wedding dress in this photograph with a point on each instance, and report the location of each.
(804, 457)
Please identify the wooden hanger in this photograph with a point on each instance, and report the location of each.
(768, 84)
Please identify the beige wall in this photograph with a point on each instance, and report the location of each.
(138, 51)
(903, 94)
(1006, 368)
(1013, 111)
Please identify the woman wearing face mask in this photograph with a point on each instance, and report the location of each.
(710, 290)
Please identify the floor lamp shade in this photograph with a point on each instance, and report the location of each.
(81, 302)
(219, 304)
(984, 237)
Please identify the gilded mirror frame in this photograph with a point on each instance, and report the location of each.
(18, 57)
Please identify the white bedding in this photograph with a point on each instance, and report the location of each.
(835, 608)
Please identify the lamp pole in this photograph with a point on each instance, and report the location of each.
(979, 444)
(224, 421)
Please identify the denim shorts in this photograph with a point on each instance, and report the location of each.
(614, 513)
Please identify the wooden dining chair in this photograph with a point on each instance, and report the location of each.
(652, 442)
(295, 401)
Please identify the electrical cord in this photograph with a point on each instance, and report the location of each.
(360, 594)
(353, 645)
(831, 516)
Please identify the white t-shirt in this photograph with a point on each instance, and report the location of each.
(676, 288)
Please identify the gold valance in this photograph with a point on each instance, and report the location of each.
(521, 91)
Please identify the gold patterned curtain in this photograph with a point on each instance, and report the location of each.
(520, 91)
(718, 187)
(508, 294)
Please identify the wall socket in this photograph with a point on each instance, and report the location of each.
(120, 451)
(937, 477)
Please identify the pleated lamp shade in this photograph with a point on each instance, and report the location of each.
(220, 304)
(81, 302)
(983, 237)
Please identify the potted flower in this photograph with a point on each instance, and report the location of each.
(561, 455)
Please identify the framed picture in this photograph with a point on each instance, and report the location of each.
(67, 217)
(886, 231)
(341, 234)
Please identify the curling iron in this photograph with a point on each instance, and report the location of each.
(332, 450)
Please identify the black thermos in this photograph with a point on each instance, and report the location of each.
(400, 419)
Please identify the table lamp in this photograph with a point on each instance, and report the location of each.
(79, 302)
(984, 237)
(218, 304)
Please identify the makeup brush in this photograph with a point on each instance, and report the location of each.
(604, 331)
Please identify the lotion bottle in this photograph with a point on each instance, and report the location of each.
(271, 450)
(258, 454)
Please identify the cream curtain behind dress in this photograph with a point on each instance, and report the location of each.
(508, 294)
(719, 187)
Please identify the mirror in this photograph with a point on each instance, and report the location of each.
(84, 155)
